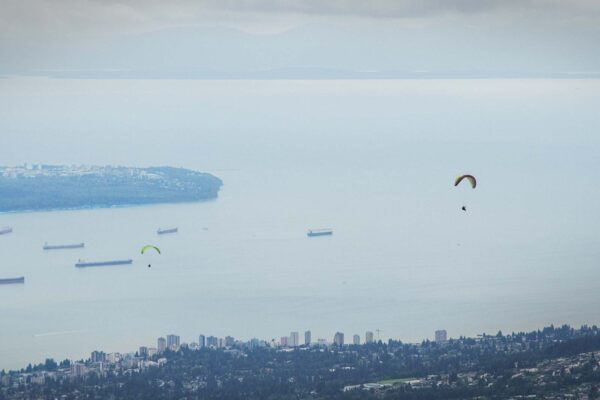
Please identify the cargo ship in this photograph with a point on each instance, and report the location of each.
(63, 246)
(82, 263)
(161, 231)
(5, 230)
(319, 232)
(7, 281)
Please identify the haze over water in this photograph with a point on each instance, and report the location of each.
(374, 160)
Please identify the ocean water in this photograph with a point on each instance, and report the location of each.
(373, 160)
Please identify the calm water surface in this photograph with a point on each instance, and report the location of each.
(375, 161)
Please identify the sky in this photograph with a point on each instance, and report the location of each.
(310, 38)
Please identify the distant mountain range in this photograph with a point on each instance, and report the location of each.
(51, 187)
(309, 73)
(312, 51)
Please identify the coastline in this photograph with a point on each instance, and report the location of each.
(99, 207)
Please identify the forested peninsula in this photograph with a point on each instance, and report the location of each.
(53, 187)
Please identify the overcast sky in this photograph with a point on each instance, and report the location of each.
(37, 36)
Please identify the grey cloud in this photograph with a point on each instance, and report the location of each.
(399, 34)
(373, 8)
(55, 16)
(361, 8)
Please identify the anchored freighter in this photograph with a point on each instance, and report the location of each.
(81, 263)
(319, 232)
(161, 231)
(64, 246)
(6, 281)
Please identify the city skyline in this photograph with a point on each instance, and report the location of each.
(291, 340)
(173, 342)
(459, 365)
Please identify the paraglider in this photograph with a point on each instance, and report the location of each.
(471, 180)
(148, 247)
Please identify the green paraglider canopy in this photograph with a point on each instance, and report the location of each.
(150, 247)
